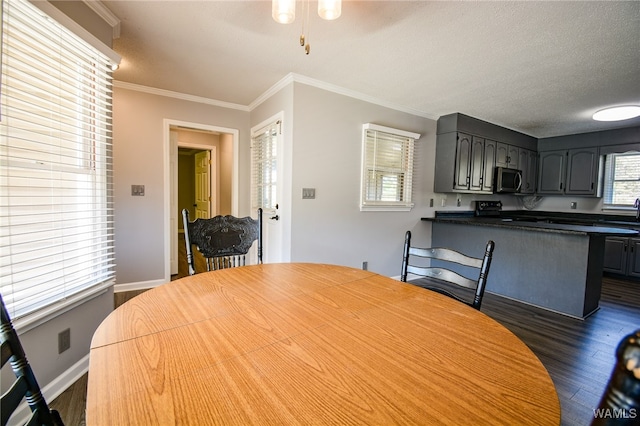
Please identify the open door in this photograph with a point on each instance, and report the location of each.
(203, 185)
(266, 185)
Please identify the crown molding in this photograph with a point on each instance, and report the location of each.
(101, 10)
(178, 95)
(298, 78)
(282, 83)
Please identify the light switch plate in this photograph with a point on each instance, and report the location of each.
(137, 190)
(308, 193)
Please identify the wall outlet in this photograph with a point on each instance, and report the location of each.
(574, 205)
(64, 340)
(431, 202)
(365, 265)
(458, 201)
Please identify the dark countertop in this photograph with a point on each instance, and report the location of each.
(517, 222)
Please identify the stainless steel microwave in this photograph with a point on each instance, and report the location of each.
(507, 180)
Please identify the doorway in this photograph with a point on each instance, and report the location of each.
(217, 187)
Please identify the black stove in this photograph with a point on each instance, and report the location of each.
(488, 208)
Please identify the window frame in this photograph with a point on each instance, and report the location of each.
(373, 191)
(609, 181)
(72, 160)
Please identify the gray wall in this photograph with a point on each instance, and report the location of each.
(138, 151)
(325, 153)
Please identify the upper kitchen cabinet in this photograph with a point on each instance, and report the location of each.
(468, 151)
(582, 171)
(528, 163)
(471, 167)
(551, 172)
(507, 156)
(570, 172)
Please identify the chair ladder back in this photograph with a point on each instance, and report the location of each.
(447, 255)
(445, 274)
(25, 386)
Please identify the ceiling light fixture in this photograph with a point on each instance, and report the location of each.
(329, 9)
(617, 113)
(284, 12)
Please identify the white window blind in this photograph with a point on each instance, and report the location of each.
(56, 202)
(264, 156)
(387, 168)
(621, 180)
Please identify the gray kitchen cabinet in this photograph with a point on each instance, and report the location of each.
(464, 163)
(476, 164)
(570, 172)
(528, 162)
(551, 172)
(622, 256)
(489, 165)
(582, 171)
(507, 156)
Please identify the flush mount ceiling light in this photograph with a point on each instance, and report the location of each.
(284, 12)
(617, 113)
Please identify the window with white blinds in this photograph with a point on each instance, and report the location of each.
(264, 166)
(621, 180)
(387, 168)
(56, 201)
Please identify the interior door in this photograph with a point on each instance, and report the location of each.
(266, 186)
(203, 185)
(173, 202)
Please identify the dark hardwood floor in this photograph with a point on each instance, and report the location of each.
(579, 355)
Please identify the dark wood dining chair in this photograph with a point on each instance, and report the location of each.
(223, 241)
(620, 403)
(25, 387)
(441, 273)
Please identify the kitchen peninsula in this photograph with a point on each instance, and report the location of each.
(556, 266)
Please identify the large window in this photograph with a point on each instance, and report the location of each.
(621, 180)
(387, 168)
(56, 203)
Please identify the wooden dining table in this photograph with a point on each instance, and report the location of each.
(310, 344)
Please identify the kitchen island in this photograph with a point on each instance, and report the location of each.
(550, 265)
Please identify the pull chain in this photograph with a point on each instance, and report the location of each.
(305, 22)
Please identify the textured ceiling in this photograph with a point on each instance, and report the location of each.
(538, 67)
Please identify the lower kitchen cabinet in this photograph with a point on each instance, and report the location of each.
(622, 256)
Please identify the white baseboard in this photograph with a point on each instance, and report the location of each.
(52, 390)
(141, 285)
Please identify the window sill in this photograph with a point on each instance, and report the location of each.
(620, 209)
(41, 316)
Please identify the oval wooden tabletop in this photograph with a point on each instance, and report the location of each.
(310, 344)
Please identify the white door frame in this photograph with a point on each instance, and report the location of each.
(167, 124)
